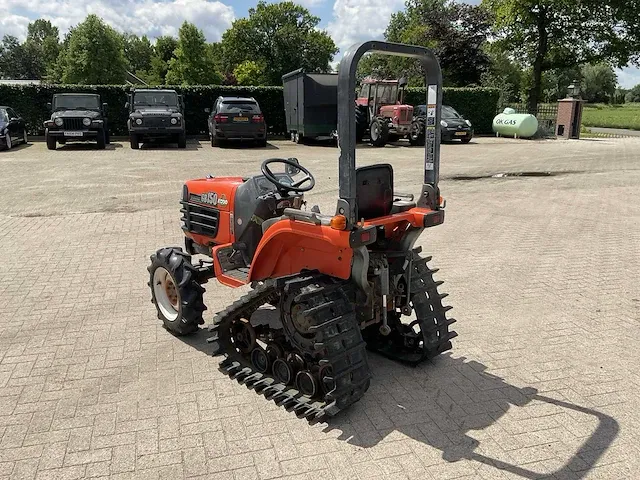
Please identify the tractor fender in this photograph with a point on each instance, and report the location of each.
(289, 247)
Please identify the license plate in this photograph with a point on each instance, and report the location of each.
(461, 134)
(70, 133)
(241, 119)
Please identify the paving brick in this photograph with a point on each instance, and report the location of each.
(92, 386)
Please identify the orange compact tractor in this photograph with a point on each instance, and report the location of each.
(325, 287)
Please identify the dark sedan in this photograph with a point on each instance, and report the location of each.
(13, 130)
(236, 118)
(452, 125)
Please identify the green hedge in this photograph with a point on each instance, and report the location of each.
(476, 104)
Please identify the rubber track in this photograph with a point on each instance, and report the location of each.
(430, 314)
(338, 344)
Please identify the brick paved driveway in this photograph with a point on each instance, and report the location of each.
(542, 271)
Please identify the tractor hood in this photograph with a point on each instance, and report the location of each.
(92, 114)
(213, 192)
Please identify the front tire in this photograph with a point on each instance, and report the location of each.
(175, 291)
(134, 141)
(25, 140)
(51, 141)
(7, 140)
(101, 140)
(182, 140)
(466, 140)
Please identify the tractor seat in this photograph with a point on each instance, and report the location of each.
(374, 191)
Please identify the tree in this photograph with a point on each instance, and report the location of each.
(455, 32)
(93, 54)
(12, 59)
(633, 95)
(193, 62)
(503, 74)
(598, 83)
(549, 34)
(249, 73)
(138, 52)
(282, 36)
(165, 47)
(41, 48)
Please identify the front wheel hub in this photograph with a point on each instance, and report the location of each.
(166, 294)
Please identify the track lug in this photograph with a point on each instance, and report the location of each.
(212, 338)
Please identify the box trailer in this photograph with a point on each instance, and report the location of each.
(311, 105)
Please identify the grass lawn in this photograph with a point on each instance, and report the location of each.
(612, 116)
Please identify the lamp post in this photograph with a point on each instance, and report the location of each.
(574, 89)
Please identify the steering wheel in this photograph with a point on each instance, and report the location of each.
(284, 187)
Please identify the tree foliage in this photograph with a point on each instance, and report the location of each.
(282, 36)
(249, 73)
(633, 95)
(598, 83)
(138, 52)
(35, 58)
(503, 74)
(455, 32)
(548, 34)
(93, 55)
(193, 62)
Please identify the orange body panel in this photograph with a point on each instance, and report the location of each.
(414, 216)
(290, 246)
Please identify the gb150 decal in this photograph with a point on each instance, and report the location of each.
(211, 198)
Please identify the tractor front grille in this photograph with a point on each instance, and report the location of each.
(199, 219)
(404, 115)
(72, 124)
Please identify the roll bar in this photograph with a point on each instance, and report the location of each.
(347, 122)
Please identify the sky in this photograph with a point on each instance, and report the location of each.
(348, 21)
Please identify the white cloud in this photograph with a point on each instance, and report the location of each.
(142, 17)
(357, 20)
(309, 3)
(628, 77)
(15, 25)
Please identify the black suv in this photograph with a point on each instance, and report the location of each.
(236, 118)
(156, 114)
(76, 117)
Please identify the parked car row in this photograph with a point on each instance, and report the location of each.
(156, 114)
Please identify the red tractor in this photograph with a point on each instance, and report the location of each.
(325, 286)
(379, 109)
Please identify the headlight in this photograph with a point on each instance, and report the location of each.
(138, 121)
(86, 122)
(58, 121)
(174, 121)
(468, 122)
(444, 124)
